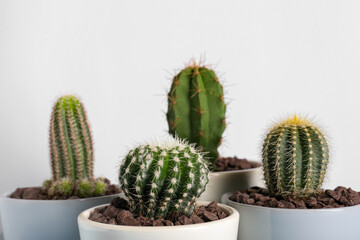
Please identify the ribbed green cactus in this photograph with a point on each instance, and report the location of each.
(196, 109)
(295, 157)
(70, 140)
(161, 178)
(71, 149)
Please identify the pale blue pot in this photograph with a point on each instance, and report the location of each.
(44, 219)
(263, 223)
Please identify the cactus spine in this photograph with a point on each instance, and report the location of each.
(196, 109)
(71, 151)
(161, 178)
(295, 157)
(71, 147)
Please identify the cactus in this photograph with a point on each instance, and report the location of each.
(70, 140)
(84, 188)
(196, 109)
(295, 157)
(161, 178)
(99, 187)
(71, 151)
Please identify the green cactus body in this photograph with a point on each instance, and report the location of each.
(196, 109)
(159, 179)
(295, 157)
(64, 187)
(71, 151)
(85, 188)
(71, 147)
(99, 187)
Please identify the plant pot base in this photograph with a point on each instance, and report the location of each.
(296, 224)
(230, 181)
(44, 219)
(225, 229)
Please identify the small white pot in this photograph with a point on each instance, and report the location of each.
(224, 229)
(264, 223)
(44, 219)
(231, 181)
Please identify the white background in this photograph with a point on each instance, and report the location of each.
(275, 57)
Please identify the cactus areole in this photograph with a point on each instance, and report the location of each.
(295, 157)
(160, 178)
(196, 109)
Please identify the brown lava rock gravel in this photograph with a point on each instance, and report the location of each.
(39, 193)
(340, 197)
(233, 163)
(117, 213)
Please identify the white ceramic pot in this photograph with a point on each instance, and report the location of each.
(264, 223)
(231, 181)
(44, 219)
(224, 229)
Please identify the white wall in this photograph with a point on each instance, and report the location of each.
(276, 57)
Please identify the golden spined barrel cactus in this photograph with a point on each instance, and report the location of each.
(295, 157)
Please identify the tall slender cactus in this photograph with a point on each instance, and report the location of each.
(71, 146)
(71, 150)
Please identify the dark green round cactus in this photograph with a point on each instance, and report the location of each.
(295, 158)
(71, 151)
(196, 109)
(161, 178)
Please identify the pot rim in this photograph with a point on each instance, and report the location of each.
(83, 218)
(289, 210)
(240, 170)
(6, 195)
